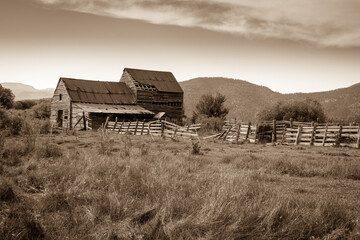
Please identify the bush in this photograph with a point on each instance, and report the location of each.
(211, 107)
(42, 110)
(196, 148)
(11, 123)
(50, 150)
(16, 124)
(4, 118)
(6, 97)
(303, 111)
(210, 124)
(24, 104)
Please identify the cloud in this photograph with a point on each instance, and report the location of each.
(327, 23)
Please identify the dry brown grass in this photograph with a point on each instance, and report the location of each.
(97, 186)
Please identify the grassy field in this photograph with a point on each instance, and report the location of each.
(89, 185)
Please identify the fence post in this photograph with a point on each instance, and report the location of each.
(121, 126)
(291, 123)
(325, 135)
(256, 132)
(313, 134)
(358, 140)
(85, 121)
(115, 124)
(142, 128)
(298, 136)
(340, 132)
(162, 127)
(283, 134)
(106, 122)
(274, 138)
(127, 129)
(136, 127)
(248, 131)
(238, 132)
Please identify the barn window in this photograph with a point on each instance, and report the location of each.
(60, 97)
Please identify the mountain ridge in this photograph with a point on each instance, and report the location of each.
(27, 92)
(245, 99)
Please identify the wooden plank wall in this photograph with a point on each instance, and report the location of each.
(154, 128)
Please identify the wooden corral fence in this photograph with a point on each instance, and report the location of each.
(291, 133)
(154, 128)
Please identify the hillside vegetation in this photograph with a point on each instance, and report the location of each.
(88, 185)
(245, 99)
(25, 92)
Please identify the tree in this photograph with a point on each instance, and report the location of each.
(211, 106)
(304, 111)
(6, 97)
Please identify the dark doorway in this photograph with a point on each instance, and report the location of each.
(60, 118)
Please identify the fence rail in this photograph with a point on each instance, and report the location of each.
(291, 133)
(154, 128)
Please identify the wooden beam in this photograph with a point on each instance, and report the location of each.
(256, 132)
(106, 122)
(248, 131)
(313, 134)
(227, 132)
(121, 127)
(358, 140)
(162, 127)
(127, 129)
(84, 121)
(283, 134)
(142, 128)
(136, 127)
(116, 119)
(298, 136)
(274, 132)
(238, 132)
(325, 135)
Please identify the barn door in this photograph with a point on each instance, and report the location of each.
(60, 118)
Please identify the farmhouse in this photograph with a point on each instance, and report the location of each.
(156, 91)
(86, 104)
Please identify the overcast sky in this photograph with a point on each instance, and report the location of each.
(288, 46)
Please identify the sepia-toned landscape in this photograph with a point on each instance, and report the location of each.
(178, 119)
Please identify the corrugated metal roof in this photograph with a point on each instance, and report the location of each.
(112, 109)
(98, 92)
(163, 81)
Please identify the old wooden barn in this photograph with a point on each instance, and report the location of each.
(140, 94)
(156, 91)
(83, 103)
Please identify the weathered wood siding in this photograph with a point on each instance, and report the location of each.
(126, 78)
(77, 114)
(171, 103)
(155, 101)
(63, 104)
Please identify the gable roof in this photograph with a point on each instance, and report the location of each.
(87, 91)
(163, 81)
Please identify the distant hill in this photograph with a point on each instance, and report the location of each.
(245, 99)
(23, 91)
